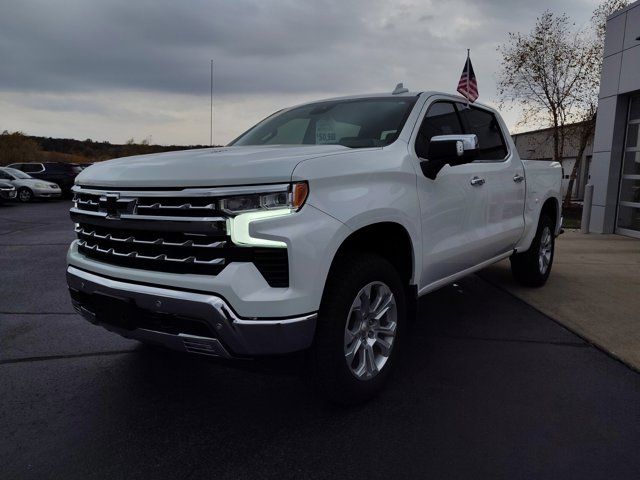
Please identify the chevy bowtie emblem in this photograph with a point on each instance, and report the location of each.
(114, 206)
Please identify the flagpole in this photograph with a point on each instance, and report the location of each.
(468, 75)
(211, 111)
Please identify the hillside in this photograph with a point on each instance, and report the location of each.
(17, 147)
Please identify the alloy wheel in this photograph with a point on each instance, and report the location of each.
(546, 247)
(370, 330)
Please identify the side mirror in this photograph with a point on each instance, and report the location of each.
(449, 150)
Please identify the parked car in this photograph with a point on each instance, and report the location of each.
(316, 230)
(7, 191)
(83, 165)
(28, 187)
(60, 173)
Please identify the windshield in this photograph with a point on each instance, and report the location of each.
(17, 173)
(354, 123)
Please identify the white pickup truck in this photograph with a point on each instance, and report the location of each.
(316, 230)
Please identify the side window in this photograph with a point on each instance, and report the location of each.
(57, 167)
(441, 119)
(17, 166)
(32, 167)
(485, 125)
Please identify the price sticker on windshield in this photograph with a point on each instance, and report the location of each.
(325, 132)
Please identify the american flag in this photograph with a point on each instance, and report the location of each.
(468, 86)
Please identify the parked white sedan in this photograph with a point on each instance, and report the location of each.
(29, 187)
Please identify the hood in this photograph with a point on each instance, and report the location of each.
(31, 182)
(207, 167)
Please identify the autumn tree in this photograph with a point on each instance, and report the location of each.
(553, 74)
(17, 147)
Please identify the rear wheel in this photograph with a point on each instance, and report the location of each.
(532, 268)
(359, 322)
(25, 195)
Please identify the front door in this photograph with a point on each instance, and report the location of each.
(451, 206)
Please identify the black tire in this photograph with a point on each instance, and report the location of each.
(527, 267)
(25, 195)
(332, 374)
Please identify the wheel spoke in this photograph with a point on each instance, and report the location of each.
(385, 346)
(351, 332)
(380, 295)
(388, 330)
(352, 350)
(361, 369)
(349, 335)
(365, 301)
(371, 366)
(384, 307)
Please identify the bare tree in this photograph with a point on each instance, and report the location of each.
(589, 103)
(553, 74)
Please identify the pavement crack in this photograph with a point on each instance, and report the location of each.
(63, 357)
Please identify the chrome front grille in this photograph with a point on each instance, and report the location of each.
(170, 231)
(163, 257)
(148, 246)
(92, 233)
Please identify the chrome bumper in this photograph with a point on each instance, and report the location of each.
(225, 334)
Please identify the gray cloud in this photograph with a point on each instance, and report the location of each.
(261, 49)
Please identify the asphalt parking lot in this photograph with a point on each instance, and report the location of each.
(487, 387)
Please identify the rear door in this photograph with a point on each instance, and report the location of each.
(502, 215)
(55, 173)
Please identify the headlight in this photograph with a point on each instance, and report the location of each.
(261, 206)
(292, 198)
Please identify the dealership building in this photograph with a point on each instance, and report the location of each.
(615, 165)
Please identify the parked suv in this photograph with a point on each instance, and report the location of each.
(63, 174)
(315, 230)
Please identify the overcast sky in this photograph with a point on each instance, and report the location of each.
(116, 69)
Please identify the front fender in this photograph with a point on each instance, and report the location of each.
(365, 188)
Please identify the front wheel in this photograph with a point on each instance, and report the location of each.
(25, 195)
(360, 319)
(532, 268)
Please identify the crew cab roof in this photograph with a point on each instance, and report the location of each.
(427, 93)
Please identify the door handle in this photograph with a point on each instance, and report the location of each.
(477, 181)
(518, 178)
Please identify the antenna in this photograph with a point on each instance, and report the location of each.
(211, 120)
(399, 89)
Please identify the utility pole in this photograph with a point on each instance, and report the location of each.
(211, 121)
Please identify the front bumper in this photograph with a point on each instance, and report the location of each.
(182, 320)
(47, 192)
(7, 194)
